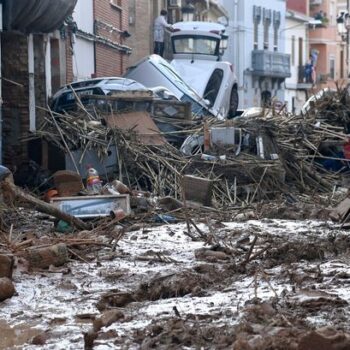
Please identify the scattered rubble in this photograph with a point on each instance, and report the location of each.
(229, 247)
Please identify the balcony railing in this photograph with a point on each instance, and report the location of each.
(270, 64)
(304, 76)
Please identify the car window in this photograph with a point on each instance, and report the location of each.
(203, 45)
(67, 100)
(213, 87)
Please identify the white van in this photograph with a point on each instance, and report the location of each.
(197, 49)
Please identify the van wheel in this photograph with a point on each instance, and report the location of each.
(233, 103)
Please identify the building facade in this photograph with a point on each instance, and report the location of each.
(26, 69)
(296, 33)
(46, 46)
(326, 45)
(257, 50)
(143, 12)
(96, 39)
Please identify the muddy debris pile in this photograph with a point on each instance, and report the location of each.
(254, 157)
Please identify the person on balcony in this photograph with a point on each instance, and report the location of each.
(160, 24)
(309, 71)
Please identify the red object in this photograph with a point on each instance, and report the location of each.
(49, 194)
(346, 150)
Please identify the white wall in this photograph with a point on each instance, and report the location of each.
(241, 44)
(83, 59)
(84, 15)
(84, 53)
(299, 30)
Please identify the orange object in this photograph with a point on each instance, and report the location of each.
(49, 194)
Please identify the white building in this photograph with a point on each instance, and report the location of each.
(297, 46)
(257, 49)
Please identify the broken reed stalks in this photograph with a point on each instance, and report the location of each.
(298, 141)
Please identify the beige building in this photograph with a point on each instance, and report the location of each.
(328, 47)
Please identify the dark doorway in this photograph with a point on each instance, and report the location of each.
(266, 99)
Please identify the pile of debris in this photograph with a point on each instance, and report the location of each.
(257, 156)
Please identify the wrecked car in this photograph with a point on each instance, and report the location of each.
(153, 71)
(65, 98)
(197, 49)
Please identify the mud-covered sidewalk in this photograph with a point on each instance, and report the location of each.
(257, 284)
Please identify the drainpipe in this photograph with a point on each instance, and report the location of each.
(31, 83)
(48, 79)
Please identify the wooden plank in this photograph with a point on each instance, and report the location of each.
(139, 122)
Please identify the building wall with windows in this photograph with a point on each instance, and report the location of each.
(297, 45)
(254, 41)
(96, 39)
(327, 44)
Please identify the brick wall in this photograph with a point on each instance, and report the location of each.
(15, 97)
(39, 78)
(298, 5)
(69, 58)
(16, 94)
(111, 18)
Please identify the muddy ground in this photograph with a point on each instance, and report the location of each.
(245, 283)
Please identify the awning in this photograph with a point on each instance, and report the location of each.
(36, 16)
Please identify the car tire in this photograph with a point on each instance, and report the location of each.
(234, 99)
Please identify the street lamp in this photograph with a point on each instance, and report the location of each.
(343, 26)
(188, 12)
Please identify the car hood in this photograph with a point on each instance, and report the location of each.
(195, 74)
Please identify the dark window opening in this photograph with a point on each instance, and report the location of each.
(213, 87)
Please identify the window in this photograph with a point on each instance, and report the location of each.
(292, 51)
(267, 22)
(256, 21)
(196, 45)
(256, 26)
(332, 67)
(276, 25)
(341, 64)
(213, 87)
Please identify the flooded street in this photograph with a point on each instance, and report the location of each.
(159, 278)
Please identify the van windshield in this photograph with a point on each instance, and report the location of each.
(203, 45)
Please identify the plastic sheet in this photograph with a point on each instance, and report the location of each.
(36, 16)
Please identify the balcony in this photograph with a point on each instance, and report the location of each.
(323, 35)
(36, 16)
(315, 2)
(305, 80)
(270, 64)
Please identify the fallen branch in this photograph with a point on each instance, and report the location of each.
(43, 206)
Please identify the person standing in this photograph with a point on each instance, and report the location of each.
(160, 24)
